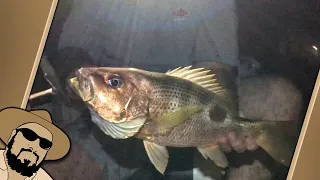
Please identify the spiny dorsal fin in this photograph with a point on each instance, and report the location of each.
(201, 77)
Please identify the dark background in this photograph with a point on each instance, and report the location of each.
(278, 34)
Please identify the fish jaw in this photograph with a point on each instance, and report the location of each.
(81, 85)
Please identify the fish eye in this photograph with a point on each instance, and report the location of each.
(115, 82)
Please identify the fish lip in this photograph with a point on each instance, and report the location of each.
(73, 80)
(73, 83)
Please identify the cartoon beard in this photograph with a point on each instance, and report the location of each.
(20, 167)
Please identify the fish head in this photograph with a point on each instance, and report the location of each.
(115, 94)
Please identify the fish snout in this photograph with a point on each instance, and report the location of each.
(82, 72)
(85, 86)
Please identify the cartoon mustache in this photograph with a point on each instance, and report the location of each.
(29, 150)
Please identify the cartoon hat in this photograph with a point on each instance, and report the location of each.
(11, 118)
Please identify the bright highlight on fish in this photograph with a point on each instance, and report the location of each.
(184, 107)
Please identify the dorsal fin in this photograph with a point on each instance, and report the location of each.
(201, 77)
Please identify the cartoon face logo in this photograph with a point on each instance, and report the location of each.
(30, 139)
(28, 147)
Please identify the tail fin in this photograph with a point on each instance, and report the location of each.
(279, 145)
(271, 136)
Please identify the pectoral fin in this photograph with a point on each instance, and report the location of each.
(172, 119)
(158, 155)
(215, 154)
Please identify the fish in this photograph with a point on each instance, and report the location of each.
(183, 107)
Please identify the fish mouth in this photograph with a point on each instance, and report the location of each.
(79, 81)
(74, 84)
(80, 84)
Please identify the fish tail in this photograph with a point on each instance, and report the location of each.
(271, 136)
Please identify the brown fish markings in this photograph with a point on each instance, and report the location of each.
(181, 108)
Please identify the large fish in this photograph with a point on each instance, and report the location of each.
(184, 107)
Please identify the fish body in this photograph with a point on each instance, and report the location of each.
(170, 94)
(181, 108)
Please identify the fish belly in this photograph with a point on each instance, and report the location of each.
(195, 132)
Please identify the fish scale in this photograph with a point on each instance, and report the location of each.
(184, 135)
(192, 133)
